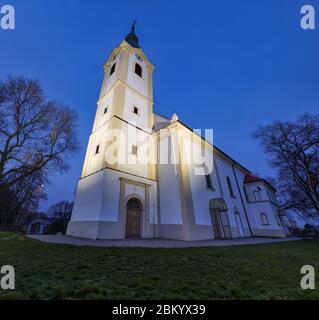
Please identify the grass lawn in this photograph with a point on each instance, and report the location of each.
(50, 271)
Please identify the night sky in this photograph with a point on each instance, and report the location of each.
(227, 65)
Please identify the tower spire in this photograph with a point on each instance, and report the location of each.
(131, 38)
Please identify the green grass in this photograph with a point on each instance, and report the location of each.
(49, 271)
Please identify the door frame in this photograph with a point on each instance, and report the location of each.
(141, 211)
(218, 226)
(240, 227)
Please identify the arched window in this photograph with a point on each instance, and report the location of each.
(138, 70)
(208, 178)
(257, 195)
(113, 69)
(264, 219)
(230, 187)
(239, 222)
(134, 203)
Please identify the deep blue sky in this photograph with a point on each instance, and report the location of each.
(227, 65)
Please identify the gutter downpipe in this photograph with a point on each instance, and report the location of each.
(242, 201)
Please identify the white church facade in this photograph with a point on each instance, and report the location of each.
(163, 195)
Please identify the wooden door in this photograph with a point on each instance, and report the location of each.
(133, 219)
(221, 225)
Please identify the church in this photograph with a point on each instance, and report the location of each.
(146, 175)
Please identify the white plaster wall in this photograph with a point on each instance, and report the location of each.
(111, 196)
(240, 177)
(110, 80)
(170, 204)
(106, 101)
(97, 196)
(264, 206)
(88, 200)
(131, 189)
(251, 187)
(225, 169)
(96, 161)
(132, 99)
(270, 210)
(201, 194)
(134, 164)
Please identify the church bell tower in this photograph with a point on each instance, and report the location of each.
(125, 103)
(116, 196)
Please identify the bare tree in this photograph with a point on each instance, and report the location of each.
(21, 198)
(294, 151)
(35, 134)
(61, 213)
(62, 210)
(37, 137)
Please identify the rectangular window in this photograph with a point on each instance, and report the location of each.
(113, 69)
(97, 149)
(135, 110)
(230, 187)
(209, 183)
(105, 110)
(134, 150)
(138, 70)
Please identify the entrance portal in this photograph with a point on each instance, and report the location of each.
(133, 219)
(219, 216)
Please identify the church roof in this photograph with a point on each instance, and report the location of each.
(132, 38)
(249, 178)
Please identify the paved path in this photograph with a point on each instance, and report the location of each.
(156, 243)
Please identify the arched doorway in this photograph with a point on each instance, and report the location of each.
(219, 216)
(239, 223)
(133, 219)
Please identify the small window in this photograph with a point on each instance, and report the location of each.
(105, 110)
(138, 70)
(112, 69)
(209, 183)
(230, 187)
(264, 219)
(135, 110)
(134, 150)
(97, 149)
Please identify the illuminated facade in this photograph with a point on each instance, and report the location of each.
(119, 197)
